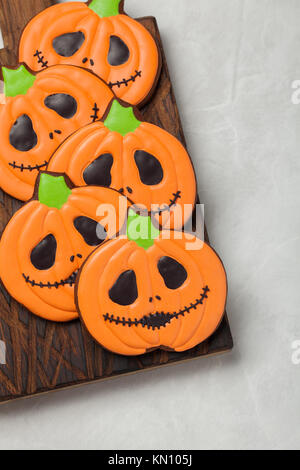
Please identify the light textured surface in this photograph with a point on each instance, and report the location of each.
(233, 63)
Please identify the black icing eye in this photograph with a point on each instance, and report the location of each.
(173, 273)
(98, 172)
(62, 104)
(151, 172)
(43, 255)
(68, 44)
(22, 136)
(124, 291)
(93, 233)
(118, 51)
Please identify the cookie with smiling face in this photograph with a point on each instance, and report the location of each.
(150, 290)
(97, 35)
(40, 111)
(139, 159)
(45, 243)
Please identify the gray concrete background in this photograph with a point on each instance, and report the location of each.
(233, 64)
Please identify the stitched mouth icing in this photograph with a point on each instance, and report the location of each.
(167, 208)
(124, 81)
(22, 168)
(41, 59)
(69, 281)
(159, 319)
(96, 110)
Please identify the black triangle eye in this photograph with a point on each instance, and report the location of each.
(62, 104)
(98, 172)
(68, 44)
(22, 136)
(124, 291)
(173, 273)
(151, 172)
(92, 232)
(43, 255)
(118, 51)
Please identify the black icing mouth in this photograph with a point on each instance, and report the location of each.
(22, 167)
(95, 117)
(69, 281)
(41, 59)
(157, 320)
(138, 74)
(167, 208)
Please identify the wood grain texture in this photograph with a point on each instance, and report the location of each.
(44, 356)
(14, 15)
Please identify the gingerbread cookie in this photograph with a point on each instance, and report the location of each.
(138, 159)
(40, 111)
(97, 35)
(138, 293)
(46, 241)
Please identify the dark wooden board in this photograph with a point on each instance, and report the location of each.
(44, 356)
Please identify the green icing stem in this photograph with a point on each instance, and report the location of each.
(121, 119)
(141, 230)
(53, 190)
(17, 82)
(105, 8)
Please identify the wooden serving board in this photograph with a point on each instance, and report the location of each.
(42, 356)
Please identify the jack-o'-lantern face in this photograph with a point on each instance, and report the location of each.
(97, 35)
(138, 159)
(46, 242)
(41, 111)
(138, 295)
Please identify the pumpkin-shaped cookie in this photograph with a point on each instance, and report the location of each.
(46, 241)
(97, 35)
(40, 111)
(164, 290)
(139, 159)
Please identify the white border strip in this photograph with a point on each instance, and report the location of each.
(2, 353)
(1, 40)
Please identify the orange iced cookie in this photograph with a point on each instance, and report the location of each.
(40, 111)
(138, 293)
(46, 242)
(97, 35)
(139, 159)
